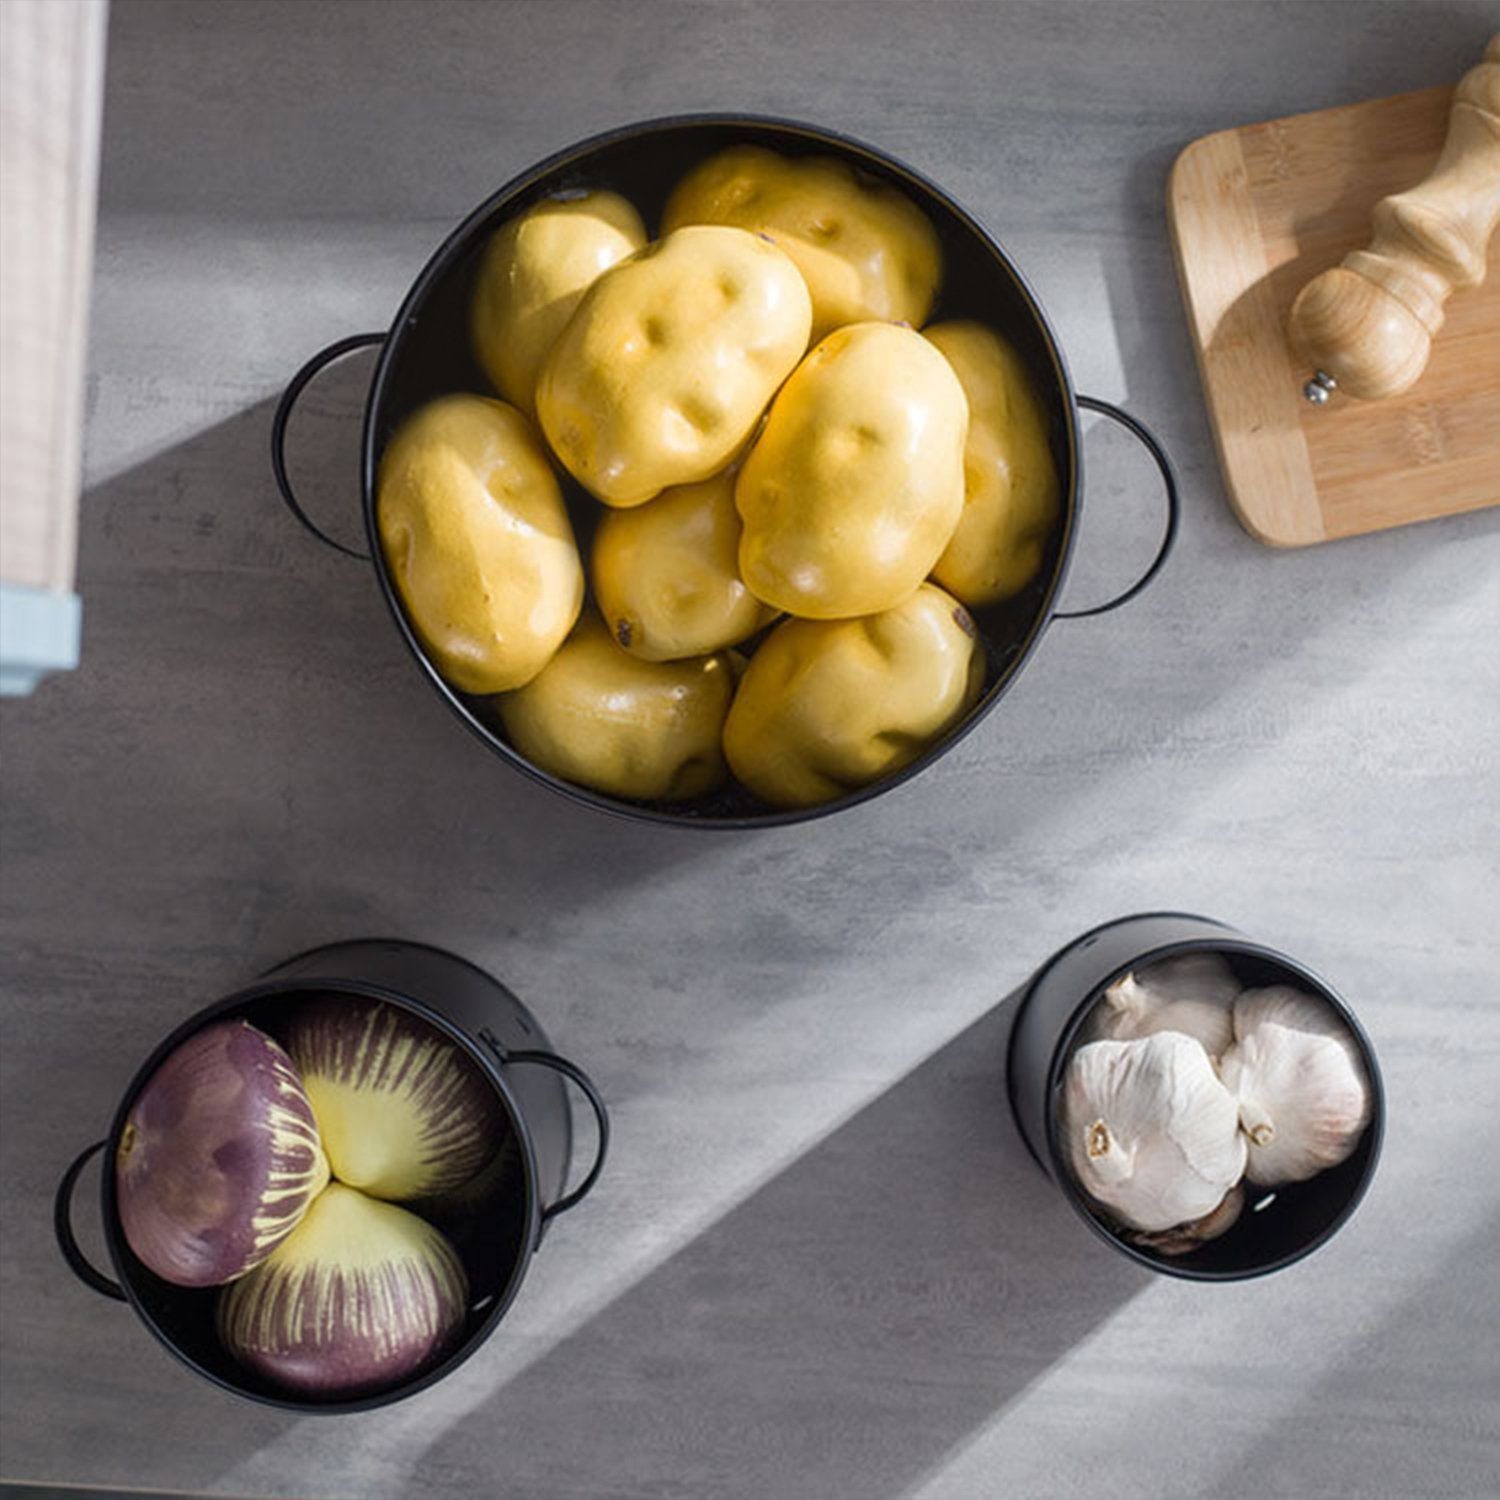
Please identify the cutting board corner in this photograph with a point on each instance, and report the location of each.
(1254, 213)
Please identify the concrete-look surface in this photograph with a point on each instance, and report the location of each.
(820, 1265)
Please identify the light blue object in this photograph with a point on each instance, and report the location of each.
(39, 631)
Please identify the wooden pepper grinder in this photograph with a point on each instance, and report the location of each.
(1366, 326)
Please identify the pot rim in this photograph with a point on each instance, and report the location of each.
(271, 988)
(1231, 942)
(457, 241)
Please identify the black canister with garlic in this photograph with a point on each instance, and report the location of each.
(1200, 1086)
(1206, 1103)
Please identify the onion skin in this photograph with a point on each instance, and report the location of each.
(1196, 1233)
(219, 1158)
(360, 1296)
(404, 1114)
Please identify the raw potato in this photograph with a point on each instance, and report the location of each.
(828, 706)
(608, 720)
(669, 360)
(865, 251)
(667, 576)
(855, 485)
(477, 539)
(1011, 491)
(535, 271)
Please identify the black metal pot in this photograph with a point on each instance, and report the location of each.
(502, 1037)
(1298, 1217)
(426, 353)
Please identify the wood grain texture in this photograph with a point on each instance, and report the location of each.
(52, 88)
(1367, 324)
(819, 1264)
(1256, 212)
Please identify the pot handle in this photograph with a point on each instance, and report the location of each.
(574, 1074)
(295, 386)
(1174, 507)
(62, 1223)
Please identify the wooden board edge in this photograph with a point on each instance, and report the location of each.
(1310, 118)
(1225, 146)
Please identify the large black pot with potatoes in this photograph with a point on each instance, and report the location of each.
(721, 471)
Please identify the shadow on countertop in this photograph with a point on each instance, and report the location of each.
(836, 1334)
(255, 763)
(1442, 1327)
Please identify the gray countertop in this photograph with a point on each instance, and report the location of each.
(819, 1264)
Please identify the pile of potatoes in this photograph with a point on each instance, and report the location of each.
(782, 458)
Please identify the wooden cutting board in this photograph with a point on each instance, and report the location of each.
(1256, 213)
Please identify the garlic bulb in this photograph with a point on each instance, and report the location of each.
(1191, 993)
(1186, 1238)
(1301, 1087)
(1150, 1131)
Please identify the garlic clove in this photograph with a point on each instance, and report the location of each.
(1186, 1238)
(1192, 993)
(1303, 1096)
(1149, 1130)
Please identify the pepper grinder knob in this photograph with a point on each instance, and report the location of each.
(1366, 326)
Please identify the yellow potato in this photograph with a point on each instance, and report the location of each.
(667, 574)
(477, 541)
(866, 251)
(1011, 490)
(854, 486)
(830, 705)
(608, 720)
(535, 271)
(669, 361)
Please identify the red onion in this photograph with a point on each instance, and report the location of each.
(219, 1157)
(359, 1296)
(404, 1113)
